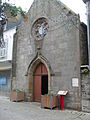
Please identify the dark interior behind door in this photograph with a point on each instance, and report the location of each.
(44, 82)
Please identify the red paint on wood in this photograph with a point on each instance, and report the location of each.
(61, 102)
(37, 88)
(44, 69)
(39, 71)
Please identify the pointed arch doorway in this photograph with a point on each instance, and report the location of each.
(40, 82)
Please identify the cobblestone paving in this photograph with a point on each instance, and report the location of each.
(33, 111)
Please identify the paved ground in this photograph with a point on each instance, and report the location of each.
(32, 111)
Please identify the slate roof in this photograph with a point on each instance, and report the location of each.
(11, 25)
(11, 20)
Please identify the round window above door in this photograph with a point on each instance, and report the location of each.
(40, 28)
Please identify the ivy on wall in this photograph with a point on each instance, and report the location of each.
(84, 70)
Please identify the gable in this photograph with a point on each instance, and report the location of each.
(56, 13)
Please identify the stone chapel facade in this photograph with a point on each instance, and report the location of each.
(47, 56)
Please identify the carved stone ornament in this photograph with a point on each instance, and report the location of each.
(40, 28)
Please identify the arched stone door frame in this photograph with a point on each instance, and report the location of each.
(38, 59)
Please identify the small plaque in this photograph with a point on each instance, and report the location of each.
(75, 82)
(61, 92)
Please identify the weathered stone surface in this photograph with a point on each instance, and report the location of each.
(60, 51)
(86, 92)
(83, 44)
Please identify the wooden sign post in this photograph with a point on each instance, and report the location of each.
(61, 94)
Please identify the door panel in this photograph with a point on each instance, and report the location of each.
(40, 84)
(37, 88)
(44, 69)
(38, 70)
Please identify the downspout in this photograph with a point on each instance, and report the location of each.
(88, 30)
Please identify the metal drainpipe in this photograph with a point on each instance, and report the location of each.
(88, 30)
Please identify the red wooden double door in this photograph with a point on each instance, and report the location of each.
(40, 82)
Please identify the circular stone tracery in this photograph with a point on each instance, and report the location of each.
(40, 28)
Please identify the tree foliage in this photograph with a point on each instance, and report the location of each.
(14, 10)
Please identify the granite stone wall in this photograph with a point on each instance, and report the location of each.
(60, 47)
(85, 92)
(83, 44)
